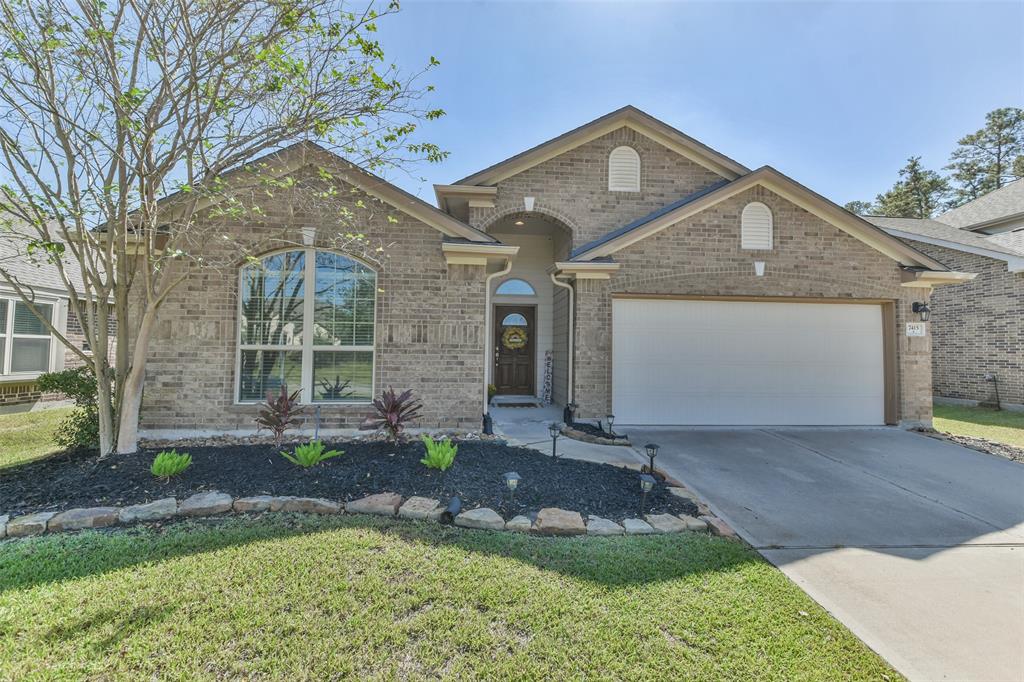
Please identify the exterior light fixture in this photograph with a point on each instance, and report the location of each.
(646, 486)
(610, 418)
(520, 223)
(555, 430)
(511, 482)
(923, 310)
(652, 452)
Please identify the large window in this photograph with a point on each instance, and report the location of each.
(306, 321)
(24, 339)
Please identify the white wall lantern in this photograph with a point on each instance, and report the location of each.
(528, 202)
(759, 268)
(308, 236)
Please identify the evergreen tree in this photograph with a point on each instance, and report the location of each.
(860, 207)
(987, 159)
(917, 194)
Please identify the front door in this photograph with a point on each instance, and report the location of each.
(514, 330)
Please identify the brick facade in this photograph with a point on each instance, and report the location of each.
(428, 332)
(978, 329)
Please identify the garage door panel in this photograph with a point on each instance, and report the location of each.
(722, 363)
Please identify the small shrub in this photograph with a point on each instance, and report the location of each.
(440, 453)
(280, 413)
(394, 411)
(81, 428)
(170, 463)
(310, 454)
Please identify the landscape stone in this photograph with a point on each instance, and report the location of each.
(519, 524)
(555, 521)
(421, 508)
(257, 503)
(693, 523)
(30, 524)
(684, 493)
(383, 504)
(151, 511)
(665, 523)
(484, 518)
(4, 518)
(76, 519)
(309, 505)
(719, 527)
(598, 526)
(637, 527)
(205, 504)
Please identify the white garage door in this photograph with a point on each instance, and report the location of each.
(733, 362)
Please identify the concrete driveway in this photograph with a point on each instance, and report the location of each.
(917, 545)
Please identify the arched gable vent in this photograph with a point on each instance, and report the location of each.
(756, 227)
(624, 170)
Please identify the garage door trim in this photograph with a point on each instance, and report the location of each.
(888, 311)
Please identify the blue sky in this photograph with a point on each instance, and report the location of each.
(836, 95)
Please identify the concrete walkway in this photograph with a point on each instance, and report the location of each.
(528, 426)
(915, 544)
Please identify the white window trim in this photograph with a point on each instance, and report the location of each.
(308, 347)
(58, 319)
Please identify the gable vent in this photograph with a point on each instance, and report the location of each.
(624, 170)
(756, 227)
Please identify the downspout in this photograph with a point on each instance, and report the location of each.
(572, 339)
(488, 357)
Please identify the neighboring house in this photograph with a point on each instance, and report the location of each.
(978, 327)
(27, 349)
(627, 266)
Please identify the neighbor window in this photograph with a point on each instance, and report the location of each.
(624, 170)
(756, 226)
(515, 287)
(24, 339)
(306, 321)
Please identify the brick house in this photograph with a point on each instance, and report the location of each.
(623, 267)
(977, 327)
(27, 348)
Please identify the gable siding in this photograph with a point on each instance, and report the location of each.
(978, 329)
(574, 185)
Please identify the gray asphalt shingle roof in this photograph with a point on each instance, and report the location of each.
(32, 271)
(936, 230)
(1006, 201)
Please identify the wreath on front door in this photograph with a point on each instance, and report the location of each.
(514, 338)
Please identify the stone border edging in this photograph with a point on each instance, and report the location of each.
(584, 437)
(550, 521)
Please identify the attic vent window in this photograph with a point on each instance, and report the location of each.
(624, 170)
(756, 227)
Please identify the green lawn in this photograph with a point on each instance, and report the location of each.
(1001, 426)
(25, 436)
(299, 597)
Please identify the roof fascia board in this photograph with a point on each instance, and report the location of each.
(790, 190)
(994, 222)
(629, 117)
(1014, 264)
(931, 278)
(477, 253)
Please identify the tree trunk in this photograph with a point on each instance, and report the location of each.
(131, 394)
(104, 406)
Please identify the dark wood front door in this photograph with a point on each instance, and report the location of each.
(514, 329)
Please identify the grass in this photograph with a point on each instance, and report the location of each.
(300, 597)
(1001, 426)
(25, 436)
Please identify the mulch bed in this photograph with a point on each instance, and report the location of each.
(367, 467)
(1010, 452)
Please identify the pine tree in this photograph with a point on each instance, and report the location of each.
(987, 159)
(917, 194)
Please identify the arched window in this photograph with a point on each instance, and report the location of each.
(624, 170)
(514, 320)
(306, 321)
(756, 227)
(515, 287)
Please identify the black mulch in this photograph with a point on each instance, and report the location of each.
(595, 430)
(79, 480)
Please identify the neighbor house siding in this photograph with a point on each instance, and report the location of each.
(428, 333)
(573, 186)
(977, 329)
(702, 256)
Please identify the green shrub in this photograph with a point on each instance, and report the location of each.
(440, 454)
(310, 454)
(81, 428)
(169, 463)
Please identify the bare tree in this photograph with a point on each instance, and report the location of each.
(109, 106)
